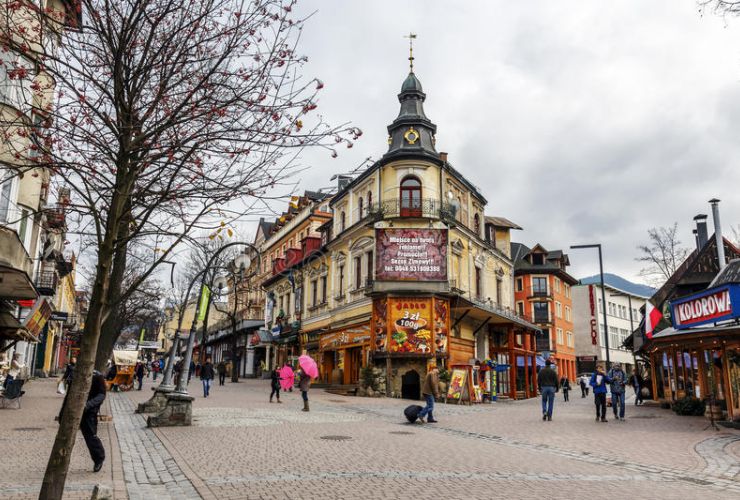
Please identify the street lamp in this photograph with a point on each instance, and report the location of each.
(178, 410)
(603, 296)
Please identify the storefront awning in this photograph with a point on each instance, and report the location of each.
(15, 284)
(673, 334)
(11, 329)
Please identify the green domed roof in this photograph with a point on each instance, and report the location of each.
(411, 83)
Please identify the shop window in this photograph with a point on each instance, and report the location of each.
(410, 197)
(733, 374)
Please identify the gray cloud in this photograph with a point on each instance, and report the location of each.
(583, 122)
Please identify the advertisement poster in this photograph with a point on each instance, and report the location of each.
(408, 325)
(457, 383)
(411, 254)
(344, 338)
(411, 326)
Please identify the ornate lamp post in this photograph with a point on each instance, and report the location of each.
(178, 407)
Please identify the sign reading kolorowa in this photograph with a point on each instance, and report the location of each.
(709, 306)
(411, 254)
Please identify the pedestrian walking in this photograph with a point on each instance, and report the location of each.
(206, 376)
(221, 368)
(139, 373)
(89, 421)
(636, 383)
(68, 372)
(304, 384)
(287, 377)
(583, 382)
(547, 380)
(275, 380)
(618, 382)
(598, 381)
(430, 391)
(191, 370)
(565, 386)
(155, 369)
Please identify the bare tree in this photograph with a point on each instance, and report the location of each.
(663, 254)
(171, 117)
(722, 7)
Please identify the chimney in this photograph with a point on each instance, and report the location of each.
(696, 237)
(443, 156)
(718, 234)
(701, 231)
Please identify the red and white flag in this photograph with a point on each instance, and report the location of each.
(652, 318)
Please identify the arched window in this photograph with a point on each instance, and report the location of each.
(476, 224)
(342, 222)
(361, 207)
(369, 200)
(410, 197)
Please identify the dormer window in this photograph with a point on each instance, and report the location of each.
(410, 197)
(538, 259)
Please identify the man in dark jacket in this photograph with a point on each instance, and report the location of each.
(221, 367)
(547, 380)
(430, 391)
(139, 372)
(68, 372)
(599, 381)
(89, 421)
(206, 375)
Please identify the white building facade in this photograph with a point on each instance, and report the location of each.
(623, 316)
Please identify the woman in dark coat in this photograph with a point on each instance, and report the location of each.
(275, 384)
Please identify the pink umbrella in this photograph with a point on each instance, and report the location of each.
(308, 365)
(286, 377)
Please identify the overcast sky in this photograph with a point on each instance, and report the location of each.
(583, 122)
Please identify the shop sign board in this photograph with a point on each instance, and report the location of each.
(411, 325)
(710, 306)
(593, 323)
(38, 317)
(411, 254)
(343, 338)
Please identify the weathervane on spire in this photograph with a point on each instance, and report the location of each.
(411, 37)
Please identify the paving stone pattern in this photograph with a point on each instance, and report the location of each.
(720, 461)
(149, 470)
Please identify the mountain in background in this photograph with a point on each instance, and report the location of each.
(621, 284)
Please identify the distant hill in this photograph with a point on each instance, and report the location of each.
(621, 284)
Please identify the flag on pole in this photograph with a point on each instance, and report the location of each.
(204, 300)
(652, 318)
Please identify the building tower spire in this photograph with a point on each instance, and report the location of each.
(411, 37)
(412, 133)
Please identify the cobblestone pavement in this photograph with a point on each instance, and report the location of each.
(241, 446)
(149, 469)
(26, 437)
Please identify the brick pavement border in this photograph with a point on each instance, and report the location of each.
(116, 462)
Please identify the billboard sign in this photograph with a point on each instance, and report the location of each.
(411, 254)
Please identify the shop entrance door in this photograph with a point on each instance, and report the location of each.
(353, 364)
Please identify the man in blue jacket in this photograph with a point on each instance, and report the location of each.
(598, 381)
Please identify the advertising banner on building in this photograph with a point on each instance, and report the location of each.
(411, 325)
(411, 254)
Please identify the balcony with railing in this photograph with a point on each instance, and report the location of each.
(46, 281)
(542, 341)
(55, 218)
(427, 208)
(534, 292)
(293, 256)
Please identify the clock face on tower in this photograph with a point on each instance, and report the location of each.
(411, 135)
